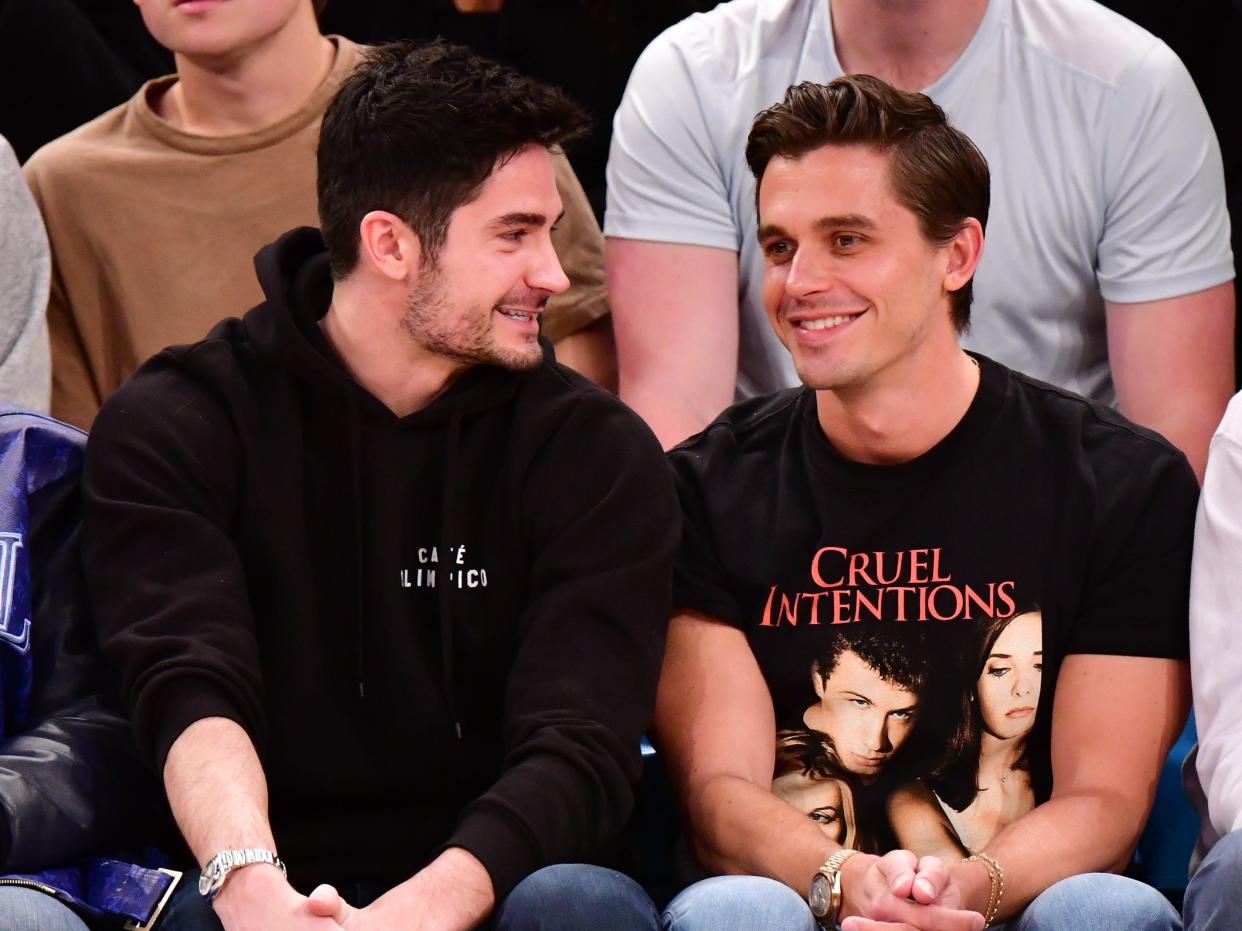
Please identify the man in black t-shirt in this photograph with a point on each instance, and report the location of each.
(942, 604)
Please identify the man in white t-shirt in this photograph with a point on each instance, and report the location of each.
(1108, 271)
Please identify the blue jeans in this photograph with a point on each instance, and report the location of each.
(568, 897)
(31, 910)
(1091, 902)
(1214, 896)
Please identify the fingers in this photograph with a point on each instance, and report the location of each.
(927, 917)
(326, 902)
(898, 869)
(870, 924)
(931, 878)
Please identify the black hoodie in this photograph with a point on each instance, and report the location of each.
(442, 629)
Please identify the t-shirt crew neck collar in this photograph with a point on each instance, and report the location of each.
(342, 64)
(979, 416)
(993, 16)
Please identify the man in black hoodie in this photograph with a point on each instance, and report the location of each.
(385, 585)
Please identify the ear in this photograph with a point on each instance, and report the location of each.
(817, 681)
(388, 245)
(965, 249)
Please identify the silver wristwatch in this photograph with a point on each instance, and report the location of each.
(222, 864)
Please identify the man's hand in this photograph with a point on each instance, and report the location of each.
(452, 893)
(259, 898)
(899, 892)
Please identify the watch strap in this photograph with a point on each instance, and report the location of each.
(831, 871)
(219, 867)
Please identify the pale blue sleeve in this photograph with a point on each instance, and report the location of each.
(25, 359)
(666, 181)
(1166, 226)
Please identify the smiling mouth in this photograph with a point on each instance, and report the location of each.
(523, 315)
(824, 323)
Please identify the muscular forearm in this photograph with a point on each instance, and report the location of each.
(1079, 832)
(217, 789)
(741, 828)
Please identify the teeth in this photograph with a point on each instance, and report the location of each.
(516, 315)
(824, 324)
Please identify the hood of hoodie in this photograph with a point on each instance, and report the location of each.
(297, 282)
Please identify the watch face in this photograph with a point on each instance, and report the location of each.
(821, 896)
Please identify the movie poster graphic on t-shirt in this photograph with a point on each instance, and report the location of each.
(914, 730)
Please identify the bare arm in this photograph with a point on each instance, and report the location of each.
(1173, 365)
(675, 310)
(1113, 722)
(218, 794)
(716, 724)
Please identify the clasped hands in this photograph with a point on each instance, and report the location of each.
(451, 894)
(900, 892)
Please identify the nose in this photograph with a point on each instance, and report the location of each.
(1023, 684)
(546, 273)
(877, 739)
(809, 273)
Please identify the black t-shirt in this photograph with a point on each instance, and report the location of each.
(910, 619)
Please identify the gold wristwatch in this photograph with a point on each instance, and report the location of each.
(825, 895)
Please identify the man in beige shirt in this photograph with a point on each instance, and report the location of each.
(155, 209)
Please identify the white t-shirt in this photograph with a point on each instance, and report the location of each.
(1215, 621)
(1106, 174)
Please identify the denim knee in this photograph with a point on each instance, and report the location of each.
(32, 910)
(1214, 896)
(1098, 902)
(738, 903)
(577, 897)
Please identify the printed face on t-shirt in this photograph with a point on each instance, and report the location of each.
(1012, 675)
(822, 799)
(851, 285)
(867, 716)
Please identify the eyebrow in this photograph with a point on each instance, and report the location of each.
(1010, 655)
(519, 218)
(823, 224)
(850, 219)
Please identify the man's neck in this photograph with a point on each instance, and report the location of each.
(370, 338)
(903, 411)
(908, 43)
(250, 89)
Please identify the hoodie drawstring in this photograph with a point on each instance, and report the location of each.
(447, 537)
(355, 458)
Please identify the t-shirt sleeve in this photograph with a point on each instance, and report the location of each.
(700, 582)
(666, 181)
(1137, 590)
(1166, 228)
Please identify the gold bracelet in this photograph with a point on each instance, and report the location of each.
(996, 878)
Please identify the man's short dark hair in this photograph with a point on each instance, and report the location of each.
(416, 130)
(935, 170)
(903, 662)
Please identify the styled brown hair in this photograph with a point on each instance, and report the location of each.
(936, 171)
